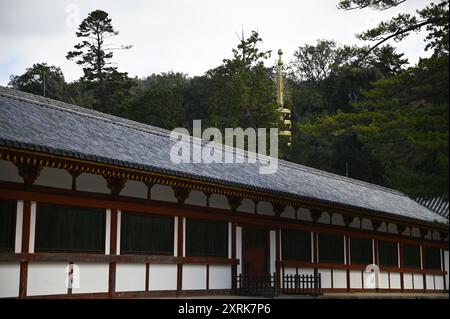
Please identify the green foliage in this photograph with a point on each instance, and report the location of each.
(159, 101)
(373, 4)
(401, 125)
(434, 18)
(42, 79)
(386, 60)
(315, 63)
(241, 91)
(355, 108)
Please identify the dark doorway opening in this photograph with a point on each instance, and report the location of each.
(255, 251)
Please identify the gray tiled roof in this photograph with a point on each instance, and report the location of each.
(437, 204)
(33, 122)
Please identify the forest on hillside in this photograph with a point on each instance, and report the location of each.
(362, 111)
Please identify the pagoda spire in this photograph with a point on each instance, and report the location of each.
(285, 113)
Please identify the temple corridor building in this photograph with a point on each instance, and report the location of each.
(95, 198)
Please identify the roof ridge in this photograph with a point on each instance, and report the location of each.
(83, 111)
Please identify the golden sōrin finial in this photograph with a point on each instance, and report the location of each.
(285, 113)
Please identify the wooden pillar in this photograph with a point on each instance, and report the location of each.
(112, 251)
(74, 173)
(442, 236)
(147, 277)
(347, 258)
(402, 279)
(423, 233)
(347, 221)
(277, 258)
(23, 281)
(423, 267)
(233, 256)
(315, 256)
(180, 245)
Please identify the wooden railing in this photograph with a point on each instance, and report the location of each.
(256, 285)
(302, 285)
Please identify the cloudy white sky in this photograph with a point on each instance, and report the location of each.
(180, 35)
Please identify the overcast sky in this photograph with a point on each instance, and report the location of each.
(180, 35)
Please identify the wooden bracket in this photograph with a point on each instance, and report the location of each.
(115, 185)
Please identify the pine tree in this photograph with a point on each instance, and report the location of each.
(95, 55)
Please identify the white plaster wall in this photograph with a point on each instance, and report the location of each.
(339, 278)
(272, 253)
(384, 280)
(134, 189)
(32, 227)
(408, 281)
(305, 271)
(325, 275)
(366, 224)
(54, 177)
(369, 280)
(47, 278)
(289, 212)
(9, 172)
(93, 278)
(337, 219)
(163, 277)
(230, 239)
(9, 279)
(107, 231)
(119, 230)
(175, 236)
(196, 198)
(219, 277)
(92, 183)
(184, 236)
(163, 192)
(130, 277)
(355, 223)
(383, 227)
(247, 206)
(290, 271)
(239, 248)
(418, 281)
(194, 277)
(446, 267)
(304, 214)
(439, 282)
(218, 201)
(395, 280)
(430, 282)
(435, 235)
(415, 232)
(356, 280)
(19, 225)
(392, 228)
(265, 208)
(324, 218)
